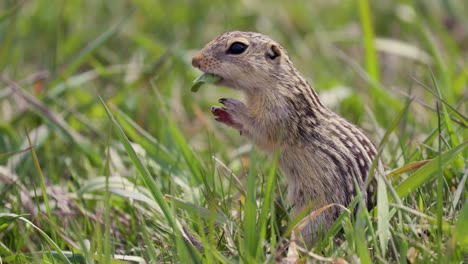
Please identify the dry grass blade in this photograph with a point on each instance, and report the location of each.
(322, 258)
(402, 49)
(299, 226)
(407, 168)
(293, 254)
(428, 171)
(9, 154)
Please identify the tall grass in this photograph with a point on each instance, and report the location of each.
(106, 156)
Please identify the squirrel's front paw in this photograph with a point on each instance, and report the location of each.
(232, 104)
(221, 115)
(231, 114)
(236, 108)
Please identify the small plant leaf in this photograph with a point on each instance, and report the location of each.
(204, 78)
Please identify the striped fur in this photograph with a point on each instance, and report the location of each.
(321, 154)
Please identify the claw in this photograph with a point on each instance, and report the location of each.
(226, 114)
(221, 115)
(216, 110)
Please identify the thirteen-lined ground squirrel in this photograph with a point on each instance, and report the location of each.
(320, 153)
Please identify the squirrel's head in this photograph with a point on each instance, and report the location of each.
(245, 60)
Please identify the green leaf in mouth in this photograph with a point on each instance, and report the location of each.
(204, 78)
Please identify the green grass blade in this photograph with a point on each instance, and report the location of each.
(457, 196)
(84, 54)
(192, 161)
(204, 213)
(250, 213)
(267, 203)
(360, 236)
(440, 187)
(460, 233)
(151, 184)
(7, 13)
(460, 82)
(427, 172)
(42, 183)
(443, 69)
(445, 115)
(463, 119)
(12, 153)
(143, 138)
(42, 233)
(7, 39)
(6, 220)
(150, 248)
(107, 223)
(372, 64)
(143, 171)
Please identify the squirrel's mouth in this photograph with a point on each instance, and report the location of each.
(205, 78)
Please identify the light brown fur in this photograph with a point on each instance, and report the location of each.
(321, 154)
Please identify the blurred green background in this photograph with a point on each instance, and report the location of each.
(125, 44)
(365, 58)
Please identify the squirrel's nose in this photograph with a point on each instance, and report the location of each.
(196, 60)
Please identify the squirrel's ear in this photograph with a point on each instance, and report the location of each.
(273, 52)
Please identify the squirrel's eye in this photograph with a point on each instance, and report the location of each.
(237, 48)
